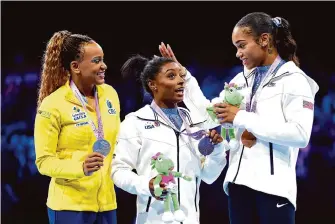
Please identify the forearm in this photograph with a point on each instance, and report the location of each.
(214, 164)
(194, 98)
(129, 181)
(59, 168)
(285, 133)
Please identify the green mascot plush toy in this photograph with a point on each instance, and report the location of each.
(166, 176)
(232, 97)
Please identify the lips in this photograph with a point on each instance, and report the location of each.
(101, 74)
(244, 61)
(180, 90)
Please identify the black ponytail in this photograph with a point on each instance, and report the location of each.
(143, 69)
(283, 40)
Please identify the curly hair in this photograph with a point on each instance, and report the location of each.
(63, 48)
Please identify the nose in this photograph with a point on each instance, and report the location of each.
(104, 66)
(181, 80)
(238, 54)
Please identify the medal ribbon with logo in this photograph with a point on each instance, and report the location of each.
(101, 145)
(195, 135)
(258, 81)
(248, 139)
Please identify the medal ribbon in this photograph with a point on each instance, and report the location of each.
(98, 132)
(252, 98)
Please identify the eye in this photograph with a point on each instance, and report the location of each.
(183, 76)
(171, 76)
(159, 159)
(241, 46)
(96, 60)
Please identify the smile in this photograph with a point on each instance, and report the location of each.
(180, 90)
(101, 74)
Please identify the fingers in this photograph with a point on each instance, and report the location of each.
(222, 121)
(216, 138)
(89, 170)
(151, 184)
(220, 139)
(162, 197)
(212, 134)
(161, 184)
(164, 51)
(164, 47)
(94, 164)
(225, 113)
(95, 154)
(223, 107)
(222, 111)
(160, 50)
(171, 52)
(159, 199)
(220, 105)
(152, 190)
(219, 108)
(222, 115)
(93, 159)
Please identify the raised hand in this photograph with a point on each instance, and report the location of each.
(166, 51)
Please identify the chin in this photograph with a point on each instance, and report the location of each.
(100, 82)
(249, 67)
(178, 100)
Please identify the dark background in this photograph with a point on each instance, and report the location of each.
(200, 35)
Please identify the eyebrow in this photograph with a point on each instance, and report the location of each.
(169, 70)
(237, 42)
(96, 57)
